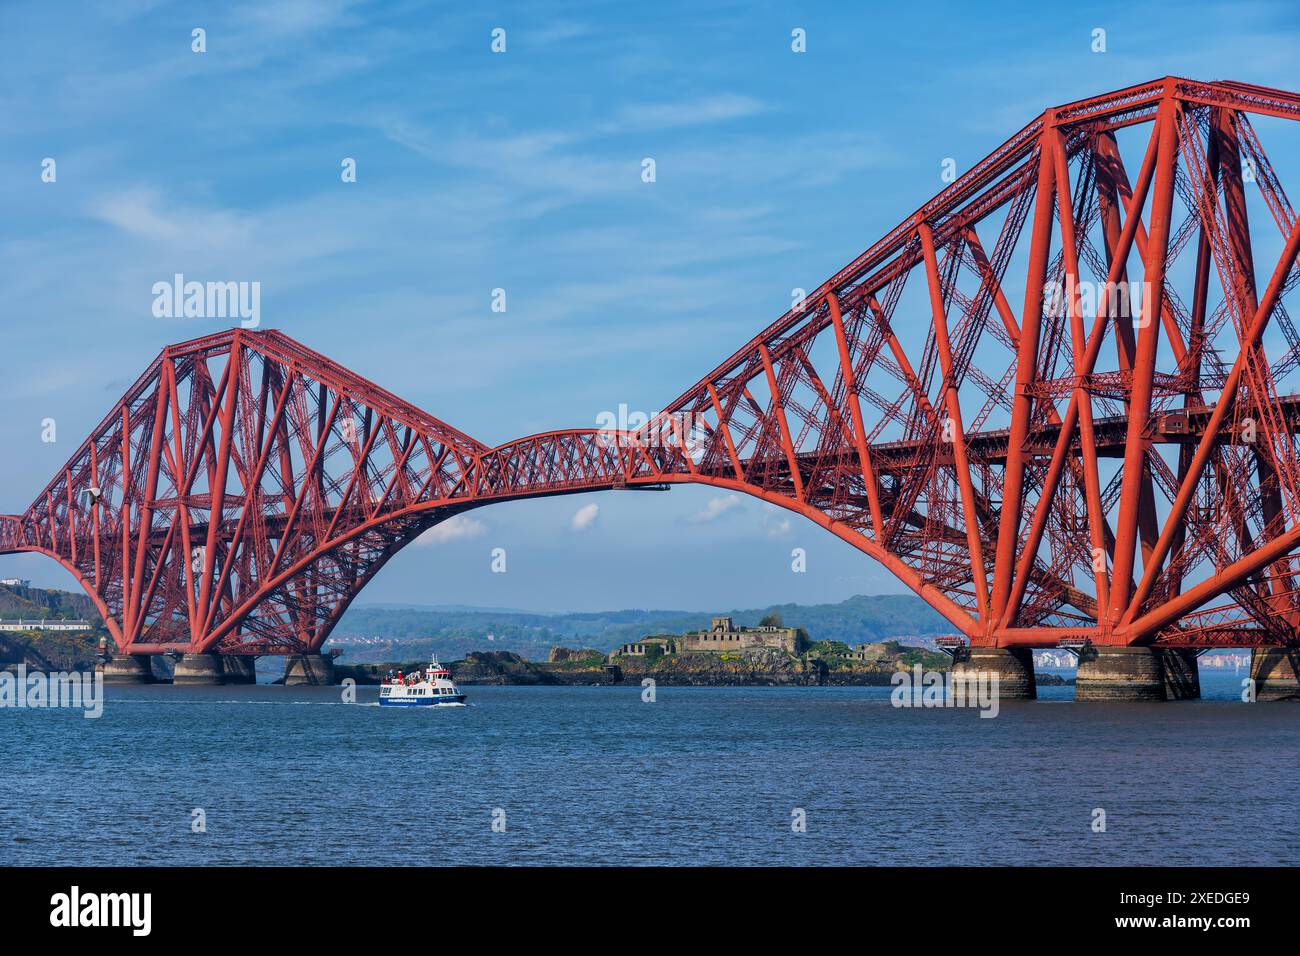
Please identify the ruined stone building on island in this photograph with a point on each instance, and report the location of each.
(723, 635)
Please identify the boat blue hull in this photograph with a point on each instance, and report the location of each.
(418, 702)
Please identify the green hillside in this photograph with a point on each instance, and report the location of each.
(47, 650)
(27, 602)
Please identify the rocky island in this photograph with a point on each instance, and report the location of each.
(723, 655)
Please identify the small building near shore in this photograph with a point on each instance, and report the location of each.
(666, 645)
(50, 624)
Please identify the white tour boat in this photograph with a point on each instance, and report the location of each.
(433, 688)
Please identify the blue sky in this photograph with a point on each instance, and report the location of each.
(519, 171)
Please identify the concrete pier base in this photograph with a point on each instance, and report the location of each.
(198, 669)
(1014, 667)
(1136, 674)
(308, 669)
(127, 669)
(238, 669)
(1274, 671)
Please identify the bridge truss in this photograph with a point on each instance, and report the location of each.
(1056, 401)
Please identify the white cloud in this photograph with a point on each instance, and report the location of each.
(287, 17)
(456, 528)
(779, 528)
(559, 32)
(711, 109)
(715, 509)
(136, 211)
(585, 517)
(144, 213)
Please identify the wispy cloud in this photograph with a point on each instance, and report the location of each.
(715, 509)
(778, 527)
(699, 112)
(144, 213)
(293, 17)
(558, 32)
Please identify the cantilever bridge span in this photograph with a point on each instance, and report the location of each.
(1057, 401)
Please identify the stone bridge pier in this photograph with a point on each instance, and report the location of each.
(1274, 671)
(1136, 674)
(199, 670)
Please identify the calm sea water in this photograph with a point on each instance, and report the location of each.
(594, 775)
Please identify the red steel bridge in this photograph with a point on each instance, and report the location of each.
(1055, 401)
